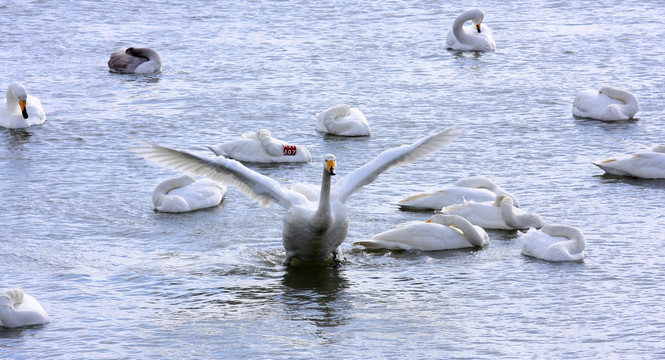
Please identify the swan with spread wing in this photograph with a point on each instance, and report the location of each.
(314, 226)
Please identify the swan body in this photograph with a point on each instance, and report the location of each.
(343, 120)
(184, 193)
(647, 165)
(500, 214)
(315, 223)
(135, 61)
(261, 147)
(476, 37)
(554, 243)
(609, 104)
(476, 188)
(20, 309)
(20, 110)
(440, 232)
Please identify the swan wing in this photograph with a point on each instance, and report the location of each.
(257, 186)
(398, 156)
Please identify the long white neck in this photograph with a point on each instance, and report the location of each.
(12, 100)
(630, 100)
(521, 221)
(471, 234)
(458, 26)
(577, 241)
(323, 216)
(328, 116)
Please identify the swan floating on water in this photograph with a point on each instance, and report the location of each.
(476, 37)
(647, 165)
(313, 226)
(135, 61)
(261, 147)
(500, 214)
(475, 188)
(20, 309)
(440, 232)
(343, 120)
(184, 193)
(554, 243)
(20, 110)
(609, 104)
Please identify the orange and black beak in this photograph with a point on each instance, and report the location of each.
(478, 27)
(330, 165)
(24, 111)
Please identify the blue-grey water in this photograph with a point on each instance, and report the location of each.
(120, 281)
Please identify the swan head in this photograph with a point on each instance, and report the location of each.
(330, 164)
(18, 92)
(476, 16)
(263, 133)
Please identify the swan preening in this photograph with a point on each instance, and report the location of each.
(440, 232)
(20, 110)
(648, 165)
(609, 104)
(20, 309)
(343, 120)
(470, 38)
(135, 61)
(261, 147)
(184, 193)
(500, 214)
(554, 243)
(475, 188)
(313, 226)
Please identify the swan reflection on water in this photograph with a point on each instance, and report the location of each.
(318, 289)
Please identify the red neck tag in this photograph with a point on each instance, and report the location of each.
(289, 150)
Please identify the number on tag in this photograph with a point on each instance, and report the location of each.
(289, 150)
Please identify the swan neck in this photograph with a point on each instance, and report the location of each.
(471, 234)
(577, 241)
(323, 213)
(458, 28)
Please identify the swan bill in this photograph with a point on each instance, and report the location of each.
(24, 111)
(330, 165)
(478, 27)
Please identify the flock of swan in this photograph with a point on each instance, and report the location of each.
(316, 220)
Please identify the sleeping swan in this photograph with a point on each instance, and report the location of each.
(440, 232)
(135, 61)
(20, 309)
(647, 165)
(500, 214)
(184, 193)
(470, 38)
(554, 243)
(475, 188)
(261, 147)
(20, 110)
(313, 226)
(343, 120)
(609, 104)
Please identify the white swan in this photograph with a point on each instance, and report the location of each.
(343, 120)
(184, 193)
(470, 38)
(648, 165)
(440, 232)
(314, 226)
(20, 309)
(135, 61)
(500, 214)
(261, 147)
(609, 104)
(475, 188)
(20, 110)
(554, 243)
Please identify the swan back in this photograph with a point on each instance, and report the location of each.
(184, 193)
(343, 120)
(554, 243)
(261, 147)
(608, 104)
(20, 309)
(475, 235)
(135, 60)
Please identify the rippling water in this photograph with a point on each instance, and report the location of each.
(121, 281)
